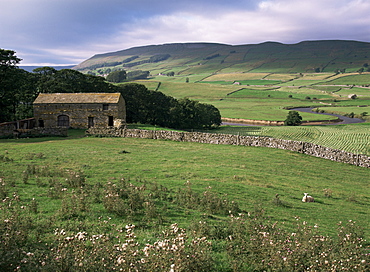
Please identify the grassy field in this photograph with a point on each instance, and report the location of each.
(263, 96)
(346, 110)
(247, 175)
(352, 79)
(58, 188)
(350, 138)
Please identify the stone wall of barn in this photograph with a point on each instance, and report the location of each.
(81, 115)
(211, 138)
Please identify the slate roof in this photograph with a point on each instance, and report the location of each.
(77, 98)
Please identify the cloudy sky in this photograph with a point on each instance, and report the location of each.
(50, 32)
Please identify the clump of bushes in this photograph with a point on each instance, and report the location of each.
(207, 201)
(264, 246)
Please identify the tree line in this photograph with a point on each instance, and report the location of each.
(19, 88)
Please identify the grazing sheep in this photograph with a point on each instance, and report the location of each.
(307, 198)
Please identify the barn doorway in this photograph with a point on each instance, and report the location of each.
(110, 121)
(41, 123)
(63, 121)
(91, 122)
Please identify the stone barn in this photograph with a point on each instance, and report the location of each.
(80, 110)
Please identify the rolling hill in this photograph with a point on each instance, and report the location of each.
(195, 58)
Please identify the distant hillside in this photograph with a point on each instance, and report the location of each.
(195, 58)
(30, 68)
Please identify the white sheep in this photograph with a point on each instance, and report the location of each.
(307, 198)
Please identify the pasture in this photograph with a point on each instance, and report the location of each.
(69, 183)
(258, 173)
(350, 138)
(264, 96)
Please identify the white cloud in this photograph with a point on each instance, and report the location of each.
(284, 21)
(70, 31)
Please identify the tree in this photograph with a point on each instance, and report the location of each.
(17, 89)
(138, 74)
(8, 59)
(361, 70)
(45, 79)
(146, 106)
(155, 108)
(117, 76)
(50, 80)
(189, 114)
(293, 119)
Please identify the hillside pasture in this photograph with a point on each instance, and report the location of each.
(352, 79)
(346, 110)
(360, 92)
(259, 82)
(307, 92)
(255, 103)
(236, 76)
(263, 109)
(281, 93)
(281, 66)
(358, 102)
(282, 77)
(197, 91)
(239, 68)
(262, 82)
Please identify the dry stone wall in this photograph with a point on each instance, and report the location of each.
(212, 138)
(11, 132)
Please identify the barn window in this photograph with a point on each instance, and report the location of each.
(110, 121)
(91, 122)
(105, 106)
(63, 121)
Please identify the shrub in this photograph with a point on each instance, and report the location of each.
(75, 179)
(3, 189)
(208, 201)
(260, 245)
(120, 250)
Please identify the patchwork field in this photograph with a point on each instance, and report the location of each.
(350, 138)
(265, 96)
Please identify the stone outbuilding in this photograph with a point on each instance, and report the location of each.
(80, 110)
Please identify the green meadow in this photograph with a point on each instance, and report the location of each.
(67, 183)
(248, 175)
